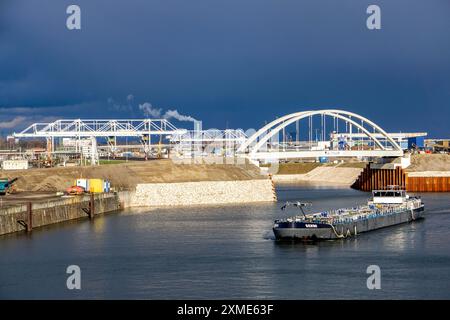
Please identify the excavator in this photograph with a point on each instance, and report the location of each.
(75, 190)
(7, 186)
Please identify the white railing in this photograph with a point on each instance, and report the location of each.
(100, 128)
(212, 135)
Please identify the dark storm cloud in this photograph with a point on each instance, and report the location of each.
(226, 60)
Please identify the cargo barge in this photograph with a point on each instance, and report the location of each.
(386, 208)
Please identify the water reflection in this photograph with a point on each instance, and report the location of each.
(228, 252)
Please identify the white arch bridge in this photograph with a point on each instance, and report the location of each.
(327, 133)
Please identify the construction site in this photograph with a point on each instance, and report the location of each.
(61, 156)
(151, 162)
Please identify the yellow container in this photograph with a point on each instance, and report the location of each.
(95, 185)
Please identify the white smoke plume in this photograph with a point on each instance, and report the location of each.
(122, 107)
(176, 115)
(149, 111)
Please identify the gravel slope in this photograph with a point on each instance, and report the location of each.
(126, 175)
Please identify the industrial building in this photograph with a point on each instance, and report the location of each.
(21, 164)
(438, 145)
(407, 141)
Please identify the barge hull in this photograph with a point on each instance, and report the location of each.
(344, 230)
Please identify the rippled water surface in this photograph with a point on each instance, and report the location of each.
(228, 252)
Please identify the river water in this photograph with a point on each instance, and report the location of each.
(228, 252)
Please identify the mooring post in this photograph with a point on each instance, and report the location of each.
(91, 207)
(29, 225)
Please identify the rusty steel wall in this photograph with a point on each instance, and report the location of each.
(373, 179)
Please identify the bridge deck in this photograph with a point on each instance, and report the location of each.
(324, 153)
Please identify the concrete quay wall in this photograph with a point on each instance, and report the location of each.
(25, 217)
(19, 218)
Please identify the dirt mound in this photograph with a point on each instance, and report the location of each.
(125, 176)
(51, 183)
(429, 162)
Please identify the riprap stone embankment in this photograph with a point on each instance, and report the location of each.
(203, 193)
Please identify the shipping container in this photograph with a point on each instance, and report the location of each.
(84, 183)
(15, 164)
(95, 185)
(106, 186)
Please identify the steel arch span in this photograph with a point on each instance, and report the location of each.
(258, 141)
